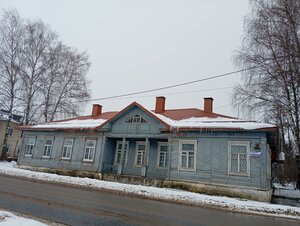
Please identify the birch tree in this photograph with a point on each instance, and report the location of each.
(38, 40)
(11, 41)
(66, 85)
(271, 45)
(40, 75)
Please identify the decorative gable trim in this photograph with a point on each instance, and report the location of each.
(136, 119)
(140, 107)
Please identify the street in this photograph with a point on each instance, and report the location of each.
(78, 206)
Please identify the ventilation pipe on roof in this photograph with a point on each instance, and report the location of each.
(208, 104)
(97, 110)
(160, 105)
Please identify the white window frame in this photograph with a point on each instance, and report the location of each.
(119, 151)
(143, 153)
(166, 154)
(90, 150)
(239, 143)
(181, 142)
(48, 147)
(68, 147)
(27, 144)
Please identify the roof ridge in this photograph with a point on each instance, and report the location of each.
(176, 109)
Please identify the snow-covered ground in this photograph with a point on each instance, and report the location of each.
(159, 193)
(288, 190)
(9, 219)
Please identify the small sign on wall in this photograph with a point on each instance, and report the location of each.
(256, 154)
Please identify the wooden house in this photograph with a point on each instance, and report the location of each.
(191, 148)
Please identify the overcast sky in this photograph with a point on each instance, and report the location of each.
(139, 45)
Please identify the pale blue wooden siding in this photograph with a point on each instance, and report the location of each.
(212, 160)
(55, 161)
(134, 132)
(129, 168)
(153, 171)
(211, 156)
(121, 127)
(108, 154)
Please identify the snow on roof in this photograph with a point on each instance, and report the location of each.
(216, 123)
(196, 122)
(71, 124)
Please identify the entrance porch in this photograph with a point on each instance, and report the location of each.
(133, 156)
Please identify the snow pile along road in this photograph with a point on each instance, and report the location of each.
(9, 219)
(287, 191)
(158, 193)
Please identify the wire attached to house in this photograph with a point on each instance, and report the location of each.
(172, 86)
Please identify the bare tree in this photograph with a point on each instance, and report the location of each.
(11, 41)
(45, 77)
(271, 45)
(66, 83)
(38, 39)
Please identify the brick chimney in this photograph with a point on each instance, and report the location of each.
(160, 105)
(208, 104)
(97, 109)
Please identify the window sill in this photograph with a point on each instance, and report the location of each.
(187, 169)
(239, 174)
(87, 161)
(65, 159)
(162, 168)
(28, 156)
(45, 157)
(138, 166)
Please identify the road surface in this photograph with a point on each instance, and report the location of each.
(79, 206)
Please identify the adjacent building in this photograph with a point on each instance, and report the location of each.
(14, 134)
(185, 148)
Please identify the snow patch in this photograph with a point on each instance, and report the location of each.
(157, 193)
(9, 219)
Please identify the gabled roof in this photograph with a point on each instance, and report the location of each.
(174, 119)
(135, 104)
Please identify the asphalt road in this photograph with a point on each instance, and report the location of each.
(78, 206)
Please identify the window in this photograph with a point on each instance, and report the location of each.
(67, 149)
(47, 148)
(136, 119)
(187, 151)
(89, 150)
(10, 131)
(239, 161)
(29, 146)
(140, 154)
(7, 148)
(119, 152)
(162, 155)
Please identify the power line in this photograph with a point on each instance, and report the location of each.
(222, 106)
(178, 93)
(171, 86)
